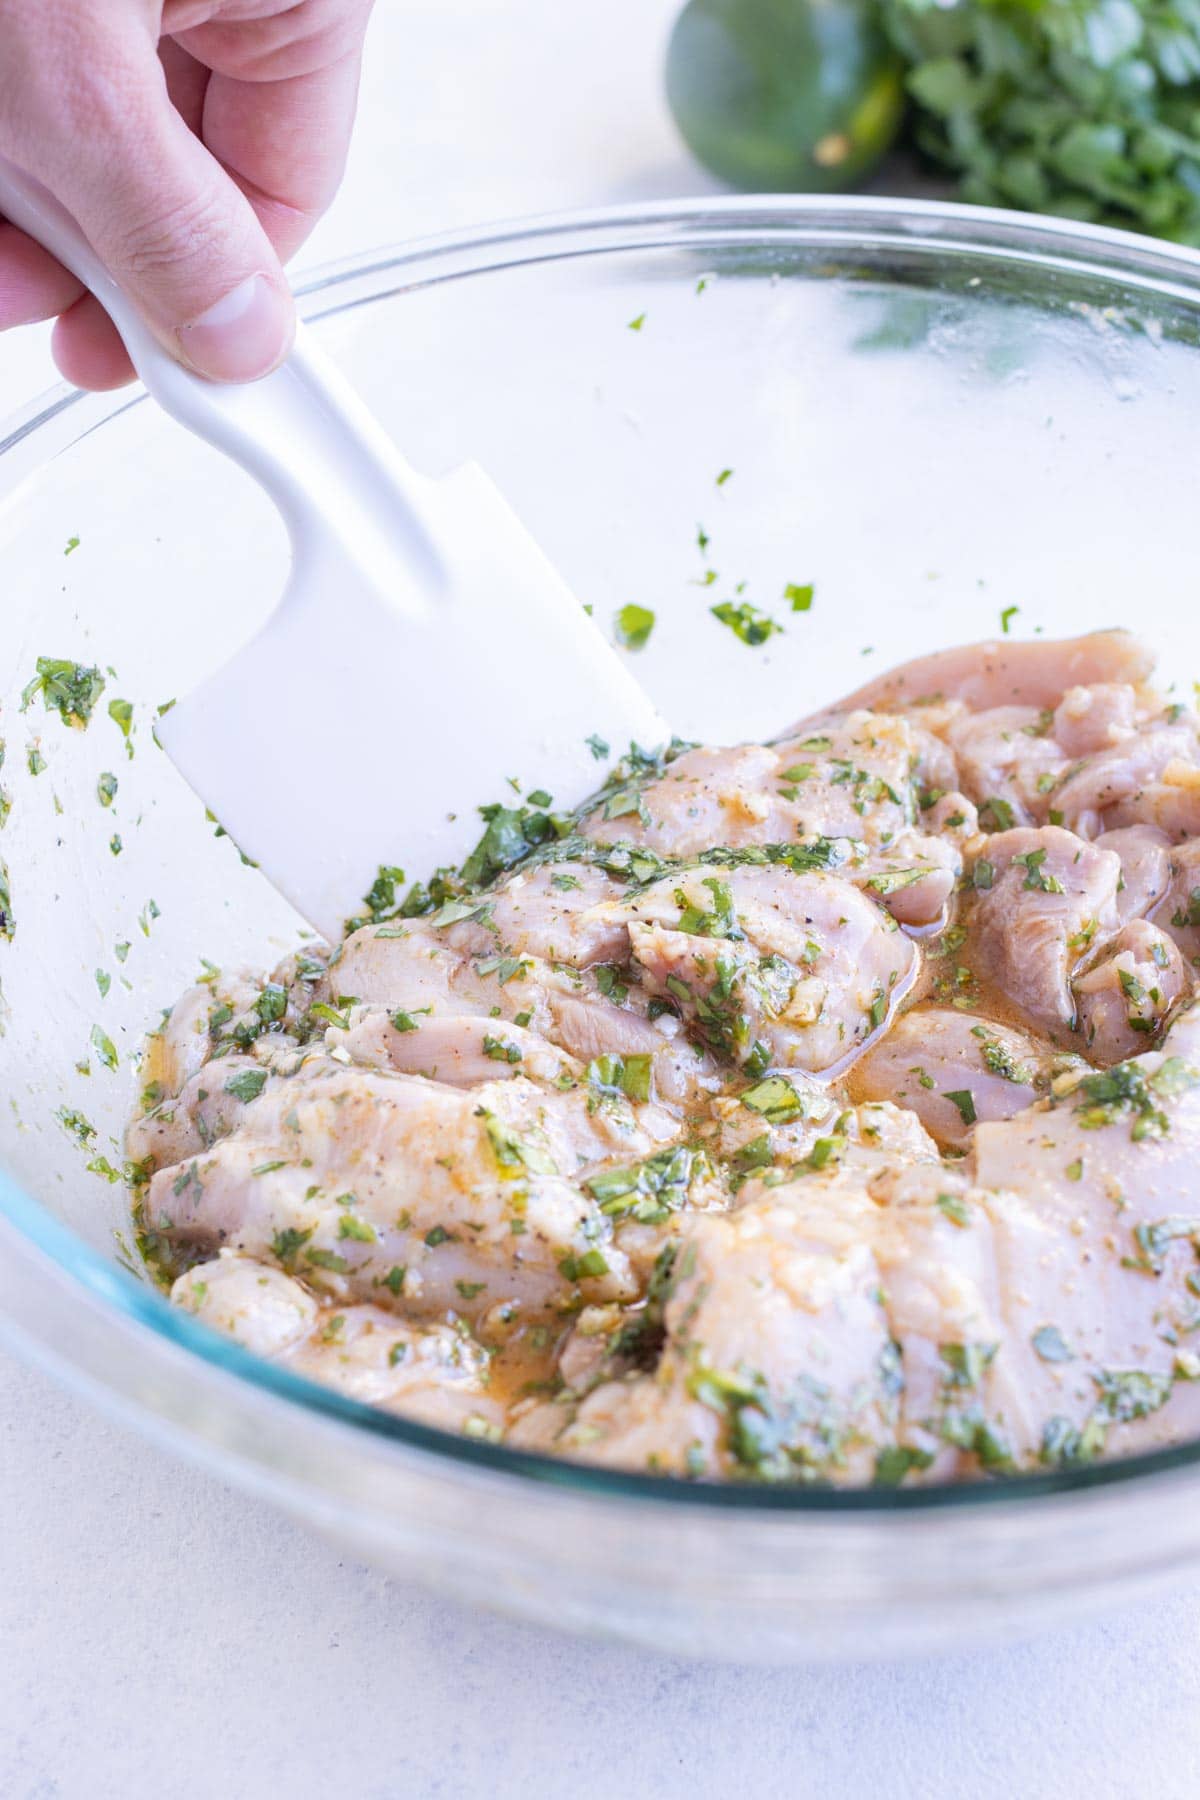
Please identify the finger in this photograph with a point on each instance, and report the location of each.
(166, 219)
(284, 143)
(186, 81)
(32, 285)
(86, 346)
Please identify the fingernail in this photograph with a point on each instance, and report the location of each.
(243, 335)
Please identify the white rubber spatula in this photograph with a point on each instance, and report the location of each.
(424, 650)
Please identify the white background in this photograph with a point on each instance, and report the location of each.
(160, 1635)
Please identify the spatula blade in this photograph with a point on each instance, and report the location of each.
(367, 722)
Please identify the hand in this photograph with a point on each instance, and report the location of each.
(197, 142)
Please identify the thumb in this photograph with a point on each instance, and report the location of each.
(177, 234)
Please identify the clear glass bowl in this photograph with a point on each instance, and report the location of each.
(935, 415)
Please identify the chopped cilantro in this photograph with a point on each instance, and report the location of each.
(746, 622)
(1036, 877)
(997, 813)
(893, 881)
(286, 1244)
(327, 1259)
(966, 1362)
(1131, 1393)
(247, 1084)
(627, 1075)
(68, 688)
(121, 714)
(633, 625)
(648, 1191)
(405, 1021)
(800, 597)
(775, 1100)
(513, 1152)
(76, 1125)
(584, 1268)
(964, 1100)
(898, 1460)
(360, 1231)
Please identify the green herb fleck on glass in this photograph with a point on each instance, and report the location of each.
(746, 622)
(633, 625)
(68, 688)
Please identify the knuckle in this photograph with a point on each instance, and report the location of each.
(183, 236)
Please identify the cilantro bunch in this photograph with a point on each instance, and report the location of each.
(1085, 108)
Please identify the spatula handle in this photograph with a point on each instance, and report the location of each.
(301, 432)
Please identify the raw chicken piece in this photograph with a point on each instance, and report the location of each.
(704, 797)
(424, 973)
(410, 968)
(768, 967)
(359, 1180)
(436, 1373)
(1008, 672)
(914, 877)
(1097, 1253)
(460, 1051)
(263, 1309)
(1046, 899)
(796, 1121)
(184, 1041)
(1124, 1000)
(951, 815)
(553, 913)
(1006, 1355)
(848, 777)
(853, 775)
(1088, 719)
(783, 1386)
(951, 1069)
(209, 1105)
(1007, 763)
(1180, 912)
(1145, 868)
(1040, 765)
(1152, 779)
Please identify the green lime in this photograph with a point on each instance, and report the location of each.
(792, 95)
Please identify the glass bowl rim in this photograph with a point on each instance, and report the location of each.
(927, 226)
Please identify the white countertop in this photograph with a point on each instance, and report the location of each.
(160, 1634)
